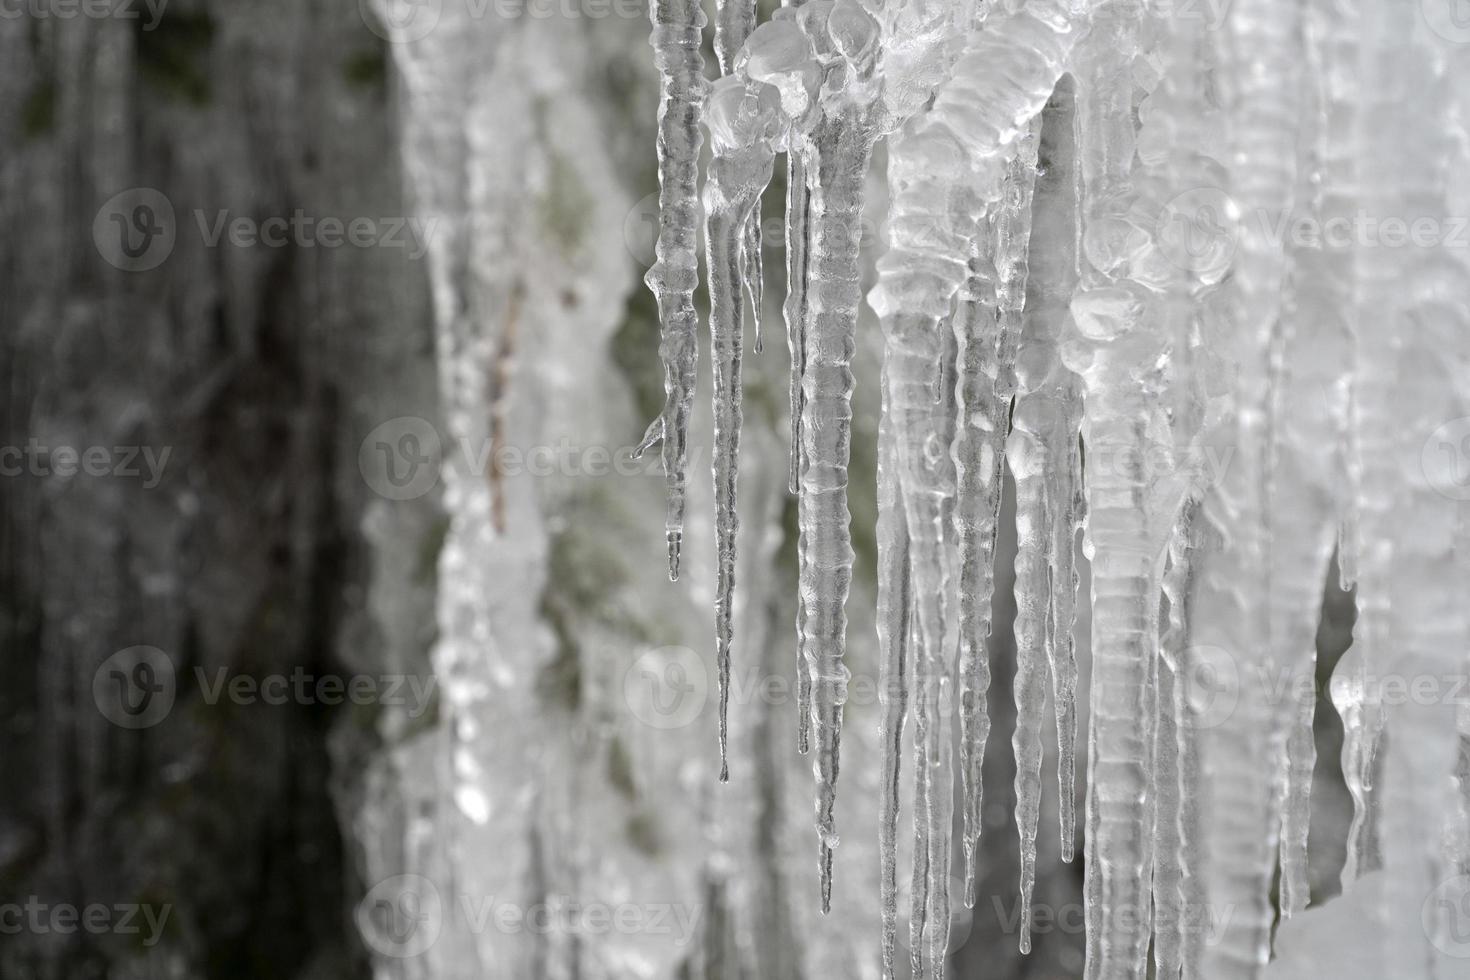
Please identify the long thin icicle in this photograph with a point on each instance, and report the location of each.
(1311, 416)
(838, 149)
(893, 638)
(676, 40)
(979, 429)
(743, 118)
(1039, 455)
(1013, 238)
(795, 313)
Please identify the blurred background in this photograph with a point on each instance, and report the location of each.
(337, 637)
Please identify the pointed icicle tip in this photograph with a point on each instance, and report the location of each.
(676, 540)
(652, 436)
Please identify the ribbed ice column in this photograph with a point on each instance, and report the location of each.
(1175, 765)
(1312, 413)
(1040, 450)
(1237, 602)
(980, 427)
(1390, 68)
(840, 163)
(894, 603)
(1110, 347)
(676, 40)
(744, 118)
(1423, 288)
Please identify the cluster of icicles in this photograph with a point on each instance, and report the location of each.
(1039, 313)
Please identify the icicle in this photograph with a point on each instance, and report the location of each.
(1008, 71)
(1040, 457)
(919, 901)
(1173, 830)
(1033, 517)
(894, 626)
(837, 151)
(979, 431)
(1422, 289)
(743, 118)
(795, 313)
(1054, 268)
(795, 308)
(1380, 274)
(1118, 540)
(1311, 415)
(734, 20)
(676, 40)
(1232, 610)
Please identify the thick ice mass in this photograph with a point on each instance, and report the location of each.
(1141, 258)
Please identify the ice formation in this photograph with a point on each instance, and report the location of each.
(1116, 268)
